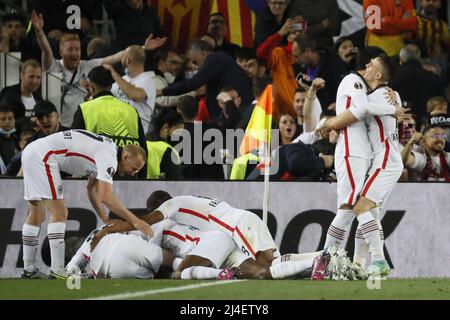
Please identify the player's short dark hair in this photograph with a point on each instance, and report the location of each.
(366, 55)
(429, 127)
(188, 107)
(156, 199)
(388, 66)
(4, 108)
(101, 77)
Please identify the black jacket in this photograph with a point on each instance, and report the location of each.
(192, 169)
(218, 70)
(12, 96)
(266, 25)
(133, 27)
(415, 86)
(314, 12)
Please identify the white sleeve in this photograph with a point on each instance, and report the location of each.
(169, 208)
(56, 66)
(147, 84)
(317, 109)
(91, 64)
(420, 161)
(106, 162)
(306, 138)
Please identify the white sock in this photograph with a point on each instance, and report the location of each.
(55, 232)
(338, 228)
(295, 257)
(361, 246)
(289, 268)
(200, 273)
(30, 241)
(371, 233)
(176, 262)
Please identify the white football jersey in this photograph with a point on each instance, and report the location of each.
(81, 153)
(383, 135)
(202, 213)
(180, 239)
(353, 140)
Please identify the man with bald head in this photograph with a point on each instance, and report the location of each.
(136, 87)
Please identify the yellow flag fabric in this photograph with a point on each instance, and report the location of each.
(258, 129)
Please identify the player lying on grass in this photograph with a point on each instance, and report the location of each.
(249, 233)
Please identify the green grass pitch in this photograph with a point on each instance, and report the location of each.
(433, 288)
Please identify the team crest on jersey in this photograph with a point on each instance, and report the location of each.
(359, 86)
(60, 189)
(111, 171)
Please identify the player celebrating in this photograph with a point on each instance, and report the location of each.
(79, 153)
(249, 233)
(384, 172)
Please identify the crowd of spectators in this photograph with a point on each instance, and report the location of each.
(137, 89)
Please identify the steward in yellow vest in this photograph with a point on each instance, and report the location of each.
(108, 116)
(163, 161)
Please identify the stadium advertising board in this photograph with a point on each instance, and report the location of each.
(416, 219)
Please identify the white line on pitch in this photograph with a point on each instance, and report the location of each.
(130, 295)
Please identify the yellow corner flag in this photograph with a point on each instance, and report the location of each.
(260, 125)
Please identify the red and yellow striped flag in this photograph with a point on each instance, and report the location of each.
(240, 20)
(183, 20)
(260, 125)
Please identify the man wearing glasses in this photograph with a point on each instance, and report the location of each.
(434, 163)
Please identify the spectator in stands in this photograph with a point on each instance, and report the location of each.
(215, 70)
(47, 121)
(434, 164)
(24, 95)
(163, 160)
(9, 139)
(194, 164)
(107, 115)
(134, 20)
(211, 39)
(322, 18)
(415, 93)
(243, 55)
(299, 103)
(74, 71)
(136, 87)
(432, 30)
(437, 105)
(164, 72)
(98, 48)
(398, 22)
(343, 56)
(288, 128)
(255, 68)
(13, 38)
(229, 102)
(305, 51)
(217, 27)
(270, 20)
(26, 133)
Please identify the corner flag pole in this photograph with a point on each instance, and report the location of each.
(266, 180)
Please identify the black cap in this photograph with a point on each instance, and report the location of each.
(440, 120)
(43, 108)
